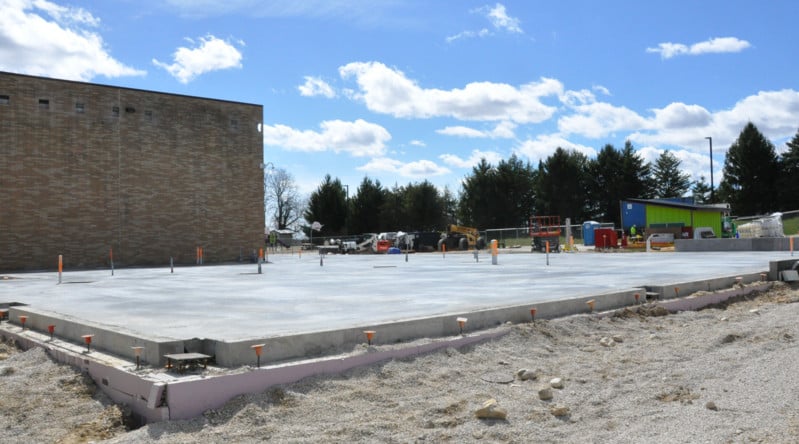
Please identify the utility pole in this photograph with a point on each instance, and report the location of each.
(712, 197)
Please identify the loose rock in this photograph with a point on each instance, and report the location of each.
(559, 410)
(491, 410)
(556, 383)
(607, 342)
(545, 394)
(710, 405)
(526, 375)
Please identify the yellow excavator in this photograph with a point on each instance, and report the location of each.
(458, 237)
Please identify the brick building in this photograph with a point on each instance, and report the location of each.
(86, 168)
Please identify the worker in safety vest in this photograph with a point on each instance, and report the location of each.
(273, 239)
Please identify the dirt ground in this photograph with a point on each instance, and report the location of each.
(722, 374)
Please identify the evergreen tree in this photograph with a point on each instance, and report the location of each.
(328, 206)
(789, 176)
(616, 175)
(515, 199)
(450, 207)
(751, 173)
(636, 175)
(603, 187)
(561, 185)
(365, 207)
(478, 189)
(498, 197)
(424, 208)
(669, 181)
(392, 213)
(701, 191)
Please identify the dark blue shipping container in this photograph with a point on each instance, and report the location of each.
(633, 213)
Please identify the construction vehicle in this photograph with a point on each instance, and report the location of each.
(544, 229)
(458, 237)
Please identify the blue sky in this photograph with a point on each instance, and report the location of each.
(403, 91)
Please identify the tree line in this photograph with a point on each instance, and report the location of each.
(566, 184)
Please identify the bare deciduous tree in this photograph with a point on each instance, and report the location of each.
(282, 198)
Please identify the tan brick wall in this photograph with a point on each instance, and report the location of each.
(165, 174)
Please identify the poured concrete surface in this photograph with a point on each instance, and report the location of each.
(296, 295)
(301, 309)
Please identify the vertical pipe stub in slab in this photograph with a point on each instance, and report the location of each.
(739, 281)
(259, 349)
(370, 334)
(88, 340)
(494, 251)
(461, 324)
(137, 349)
(22, 320)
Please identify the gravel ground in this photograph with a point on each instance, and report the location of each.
(723, 374)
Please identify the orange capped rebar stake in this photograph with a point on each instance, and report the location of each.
(88, 340)
(461, 323)
(591, 305)
(258, 350)
(60, 267)
(51, 329)
(637, 298)
(22, 320)
(532, 313)
(137, 351)
(369, 335)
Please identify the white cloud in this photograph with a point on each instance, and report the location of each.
(418, 143)
(417, 169)
(715, 45)
(773, 112)
(314, 86)
(422, 168)
(501, 20)
(389, 91)
(358, 138)
(45, 39)
(680, 116)
(601, 90)
(577, 98)
(212, 54)
(468, 34)
(600, 119)
(503, 130)
(456, 161)
(695, 164)
(544, 145)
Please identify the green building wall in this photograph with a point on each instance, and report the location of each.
(661, 216)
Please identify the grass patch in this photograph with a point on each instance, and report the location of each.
(790, 224)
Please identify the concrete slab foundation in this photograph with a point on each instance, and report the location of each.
(312, 317)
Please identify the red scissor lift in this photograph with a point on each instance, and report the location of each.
(545, 229)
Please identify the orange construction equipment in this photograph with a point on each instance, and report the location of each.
(545, 229)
